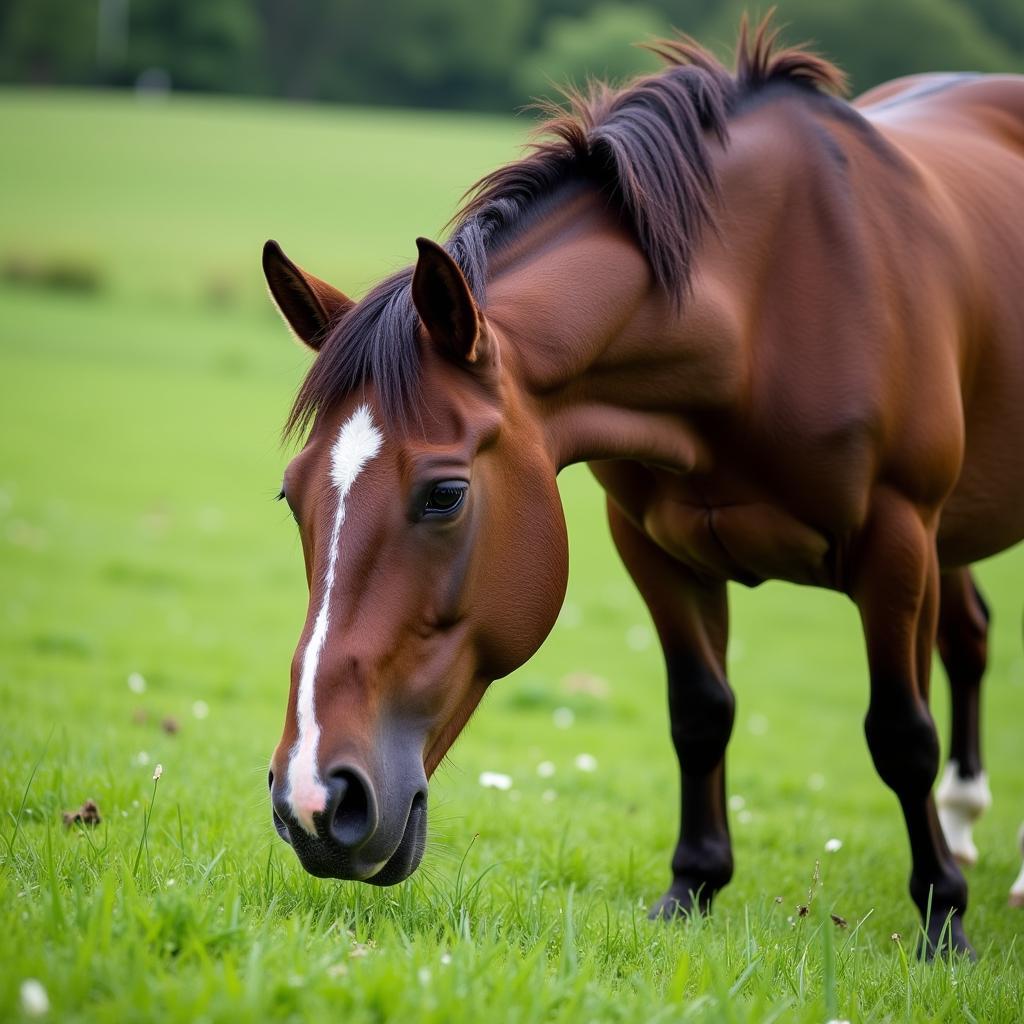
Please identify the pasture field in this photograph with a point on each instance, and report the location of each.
(147, 574)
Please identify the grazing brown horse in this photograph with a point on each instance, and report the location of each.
(787, 335)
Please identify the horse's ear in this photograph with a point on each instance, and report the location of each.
(308, 305)
(445, 303)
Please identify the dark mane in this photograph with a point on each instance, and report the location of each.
(645, 145)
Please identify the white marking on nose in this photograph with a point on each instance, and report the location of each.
(960, 803)
(358, 441)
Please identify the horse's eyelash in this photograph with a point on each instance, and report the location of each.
(280, 495)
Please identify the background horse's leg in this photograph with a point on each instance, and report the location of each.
(963, 794)
(896, 587)
(1017, 889)
(693, 625)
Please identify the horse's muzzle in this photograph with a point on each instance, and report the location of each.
(359, 835)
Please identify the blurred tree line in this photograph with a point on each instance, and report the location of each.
(480, 54)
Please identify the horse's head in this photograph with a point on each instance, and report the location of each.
(435, 553)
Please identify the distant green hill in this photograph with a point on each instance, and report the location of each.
(175, 198)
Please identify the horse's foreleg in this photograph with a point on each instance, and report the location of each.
(692, 621)
(963, 794)
(896, 587)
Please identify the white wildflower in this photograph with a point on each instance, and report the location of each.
(757, 724)
(157, 772)
(495, 780)
(546, 769)
(586, 762)
(588, 683)
(200, 709)
(137, 682)
(563, 718)
(833, 845)
(34, 1000)
(638, 638)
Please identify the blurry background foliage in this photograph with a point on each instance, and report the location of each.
(462, 53)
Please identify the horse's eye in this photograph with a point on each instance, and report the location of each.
(281, 496)
(445, 498)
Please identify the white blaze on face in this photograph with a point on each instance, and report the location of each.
(358, 441)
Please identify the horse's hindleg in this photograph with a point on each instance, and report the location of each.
(692, 621)
(896, 587)
(963, 794)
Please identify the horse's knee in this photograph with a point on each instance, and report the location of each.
(905, 748)
(965, 656)
(962, 636)
(702, 708)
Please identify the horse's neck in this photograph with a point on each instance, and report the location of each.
(614, 368)
(610, 364)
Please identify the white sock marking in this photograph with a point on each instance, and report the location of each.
(960, 803)
(358, 441)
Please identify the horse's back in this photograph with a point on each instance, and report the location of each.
(918, 94)
(966, 134)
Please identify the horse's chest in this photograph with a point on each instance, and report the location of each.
(749, 541)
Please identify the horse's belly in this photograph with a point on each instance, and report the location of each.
(985, 513)
(749, 543)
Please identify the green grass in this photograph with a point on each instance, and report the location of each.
(138, 459)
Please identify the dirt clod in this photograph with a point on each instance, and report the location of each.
(87, 814)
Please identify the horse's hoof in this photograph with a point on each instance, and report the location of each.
(670, 907)
(946, 941)
(677, 903)
(1016, 899)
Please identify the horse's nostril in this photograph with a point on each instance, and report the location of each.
(280, 826)
(351, 819)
